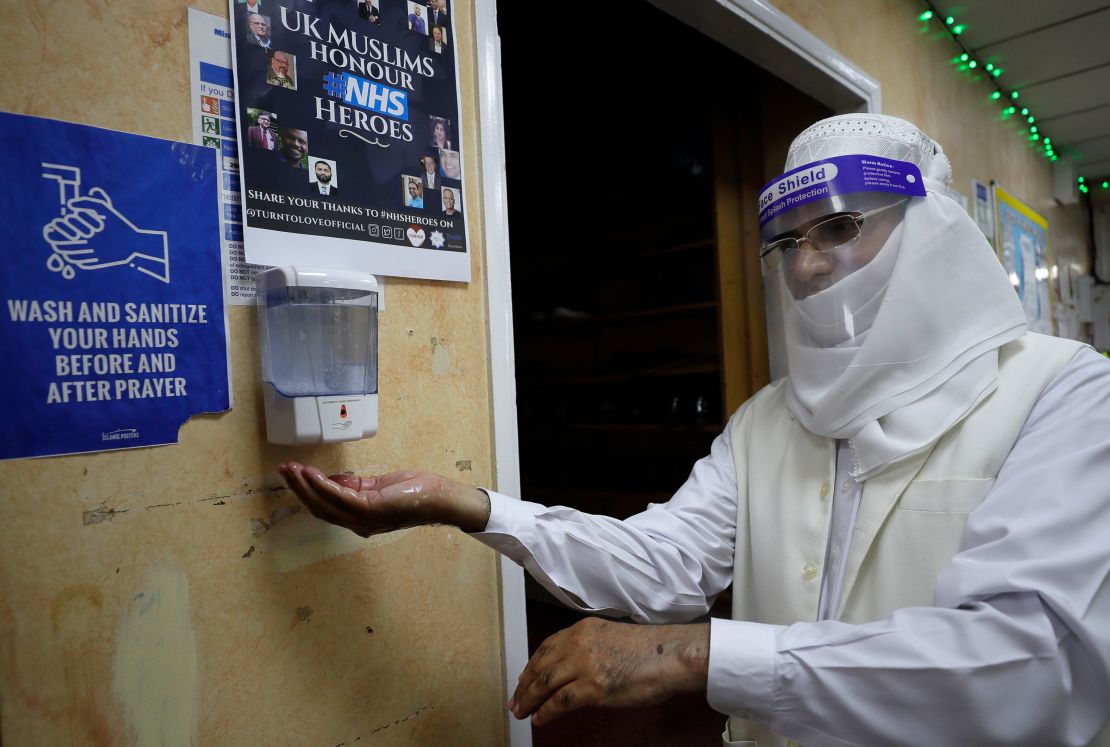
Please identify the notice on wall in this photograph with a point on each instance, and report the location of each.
(982, 208)
(212, 94)
(112, 322)
(1023, 249)
(350, 145)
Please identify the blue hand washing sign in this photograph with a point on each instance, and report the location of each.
(111, 299)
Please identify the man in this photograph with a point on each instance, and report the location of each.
(368, 9)
(913, 521)
(294, 148)
(437, 12)
(416, 22)
(429, 175)
(449, 202)
(259, 134)
(278, 74)
(258, 30)
(435, 43)
(414, 198)
(323, 184)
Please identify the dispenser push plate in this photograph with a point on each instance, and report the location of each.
(341, 418)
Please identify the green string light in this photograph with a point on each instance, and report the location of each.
(1081, 180)
(1083, 188)
(1106, 185)
(993, 70)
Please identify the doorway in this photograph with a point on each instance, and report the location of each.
(638, 310)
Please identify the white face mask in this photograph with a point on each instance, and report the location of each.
(893, 355)
(844, 311)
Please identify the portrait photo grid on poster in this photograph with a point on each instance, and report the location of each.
(352, 119)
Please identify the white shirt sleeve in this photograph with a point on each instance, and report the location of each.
(1017, 648)
(666, 564)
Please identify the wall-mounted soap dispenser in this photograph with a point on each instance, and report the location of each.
(318, 330)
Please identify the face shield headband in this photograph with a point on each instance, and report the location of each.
(838, 185)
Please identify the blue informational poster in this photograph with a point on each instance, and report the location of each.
(112, 324)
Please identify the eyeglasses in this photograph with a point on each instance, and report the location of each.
(835, 233)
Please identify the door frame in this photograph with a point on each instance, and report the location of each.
(751, 28)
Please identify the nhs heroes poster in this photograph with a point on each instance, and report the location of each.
(350, 135)
(112, 326)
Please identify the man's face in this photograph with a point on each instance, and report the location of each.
(412, 189)
(416, 10)
(442, 5)
(448, 200)
(294, 145)
(429, 164)
(807, 272)
(264, 121)
(258, 25)
(280, 63)
(437, 35)
(323, 172)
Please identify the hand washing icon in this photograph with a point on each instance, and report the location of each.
(91, 233)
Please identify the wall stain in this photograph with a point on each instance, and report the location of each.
(155, 666)
(235, 496)
(260, 526)
(101, 514)
(304, 613)
(441, 358)
(463, 465)
(90, 595)
(249, 552)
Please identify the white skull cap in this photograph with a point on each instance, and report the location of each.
(871, 134)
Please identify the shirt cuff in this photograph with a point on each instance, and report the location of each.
(742, 668)
(510, 526)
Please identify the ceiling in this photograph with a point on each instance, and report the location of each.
(1057, 56)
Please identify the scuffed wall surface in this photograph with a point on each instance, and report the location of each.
(179, 595)
(919, 83)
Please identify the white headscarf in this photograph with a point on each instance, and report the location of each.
(928, 314)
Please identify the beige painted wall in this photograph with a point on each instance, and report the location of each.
(919, 83)
(177, 595)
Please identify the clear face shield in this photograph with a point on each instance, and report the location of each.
(830, 232)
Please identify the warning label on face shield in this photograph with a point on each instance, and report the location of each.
(840, 175)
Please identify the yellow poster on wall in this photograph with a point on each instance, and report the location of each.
(1022, 245)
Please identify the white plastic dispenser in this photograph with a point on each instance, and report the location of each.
(318, 330)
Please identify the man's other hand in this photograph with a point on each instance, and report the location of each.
(373, 505)
(600, 663)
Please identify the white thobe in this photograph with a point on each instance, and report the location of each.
(983, 665)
